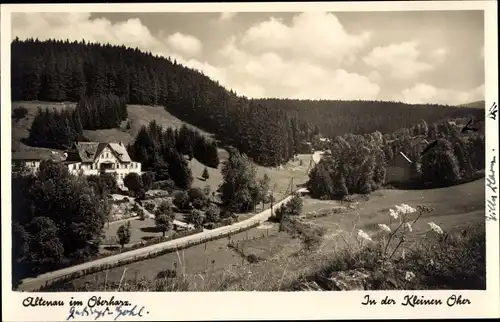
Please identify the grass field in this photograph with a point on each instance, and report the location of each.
(454, 206)
(142, 230)
(280, 177)
(281, 262)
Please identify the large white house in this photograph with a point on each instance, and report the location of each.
(83, 158)
(94, 158)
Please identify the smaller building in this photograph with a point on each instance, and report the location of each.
(399, 170)
(322, 139)
(29, 160)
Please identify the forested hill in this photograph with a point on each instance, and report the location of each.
(339, 117)
(269, 131)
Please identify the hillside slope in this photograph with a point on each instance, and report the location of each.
(478, 104)
(138, 115)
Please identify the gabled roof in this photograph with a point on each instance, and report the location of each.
(89, 151)
(404, 156)
(120, 151)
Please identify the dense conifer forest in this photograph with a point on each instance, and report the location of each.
(270, 131)
(162, 151)
(58, 129)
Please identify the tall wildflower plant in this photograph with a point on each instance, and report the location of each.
(401, 221)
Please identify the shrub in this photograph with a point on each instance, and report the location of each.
(211, 225)
(252, 258)
(168, 273)
(196, 193)
(207, 190)
(19, 113)
(142, 215)
(195, 218)
(167, 185)
(150, 207)
(225, 213)
(199, 204)
(181, 200)
(212, 214)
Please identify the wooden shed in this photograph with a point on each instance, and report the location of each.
(399, 170)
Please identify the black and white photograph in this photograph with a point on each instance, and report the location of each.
(265, 151)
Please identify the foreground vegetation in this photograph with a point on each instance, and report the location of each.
(447, 260)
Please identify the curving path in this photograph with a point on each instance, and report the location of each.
(34, 283)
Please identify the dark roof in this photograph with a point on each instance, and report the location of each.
(89, 151)
(34, 155)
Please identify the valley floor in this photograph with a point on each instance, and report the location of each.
(277, 259)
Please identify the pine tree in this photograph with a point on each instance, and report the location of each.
(179, 170)
(205, 175)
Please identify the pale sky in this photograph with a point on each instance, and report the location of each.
(414, 57)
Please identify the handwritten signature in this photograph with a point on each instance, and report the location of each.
(492, 184)
(118, 312)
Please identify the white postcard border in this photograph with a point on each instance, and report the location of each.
(258, 305)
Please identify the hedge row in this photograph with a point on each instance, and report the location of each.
(100, 268)
(150, 242)
(222, 223)
(328, 212)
